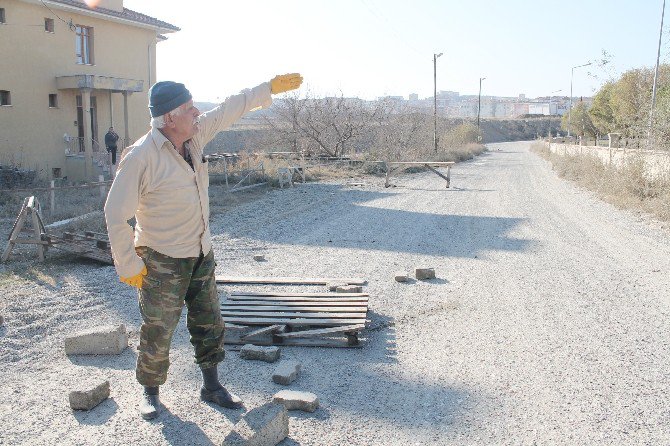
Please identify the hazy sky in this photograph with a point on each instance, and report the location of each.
(371, 48)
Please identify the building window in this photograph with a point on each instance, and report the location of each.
(5, 98)
(84, 44)
(2, 15)
(48, 25)
(53, 101)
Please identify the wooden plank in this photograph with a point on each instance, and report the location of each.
(264, 330)
(29, 241)
(288, 321)
(293, 304)
(299, 299)
(288, 280)
(321, 331)
(436, 172)
(281, 294)
(300, 342)
(295, 314)
(293, 308)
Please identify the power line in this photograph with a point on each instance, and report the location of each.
(69, 24)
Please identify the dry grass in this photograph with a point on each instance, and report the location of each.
(74, 202)
(629, 187)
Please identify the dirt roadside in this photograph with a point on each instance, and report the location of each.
(547, 322)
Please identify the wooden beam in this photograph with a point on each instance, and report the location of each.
(299, 299)
(284, 303)
(264, 330)
(294, 314)
(281, 294)
(313, 309)
(321, 331)
(288, 280)
(292, 322)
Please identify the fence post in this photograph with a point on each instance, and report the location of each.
(101, 179)
(249, 167)
(225, 170)
(52, 197)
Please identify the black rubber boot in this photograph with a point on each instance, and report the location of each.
(221, 397)
(214, 392)
(150, 405)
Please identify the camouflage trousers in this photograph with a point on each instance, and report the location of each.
(169, 284)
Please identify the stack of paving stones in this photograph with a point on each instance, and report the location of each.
(259, 257)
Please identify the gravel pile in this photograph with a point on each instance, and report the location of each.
(546, 322)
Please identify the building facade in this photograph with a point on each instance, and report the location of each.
(70, 72)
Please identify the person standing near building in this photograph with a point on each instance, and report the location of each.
(162, 181)
(110, 142)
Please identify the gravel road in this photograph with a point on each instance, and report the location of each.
(547, 323)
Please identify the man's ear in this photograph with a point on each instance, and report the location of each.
(169, 121)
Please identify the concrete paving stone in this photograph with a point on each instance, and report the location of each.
(88, 399)
(295, 400)
(401, 277)
(425, 273)
(286, 372)
(259, 258)
(332, 286)
(349, 289)
(260, 353)
(263, 426)
(108, 340)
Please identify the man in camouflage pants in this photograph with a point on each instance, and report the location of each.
(163, 181)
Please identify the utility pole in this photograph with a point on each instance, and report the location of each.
(572, 75)
(435, 56)
(479, 102)
(653, 92)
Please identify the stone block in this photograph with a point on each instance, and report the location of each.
(349, 289)
(263, 426)
(286, 372)
(259, 353)
(332, 286)
(401, 277)
(88, 399)
(294, 400)
(2, 320)
(110, 340)
(259, 258)
(425, 273)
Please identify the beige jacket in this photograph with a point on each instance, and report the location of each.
(168, 199)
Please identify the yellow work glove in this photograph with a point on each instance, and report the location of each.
(135, 280)
(285, 82)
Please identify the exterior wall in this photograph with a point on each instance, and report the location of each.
(31, 133)
(657, 163)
